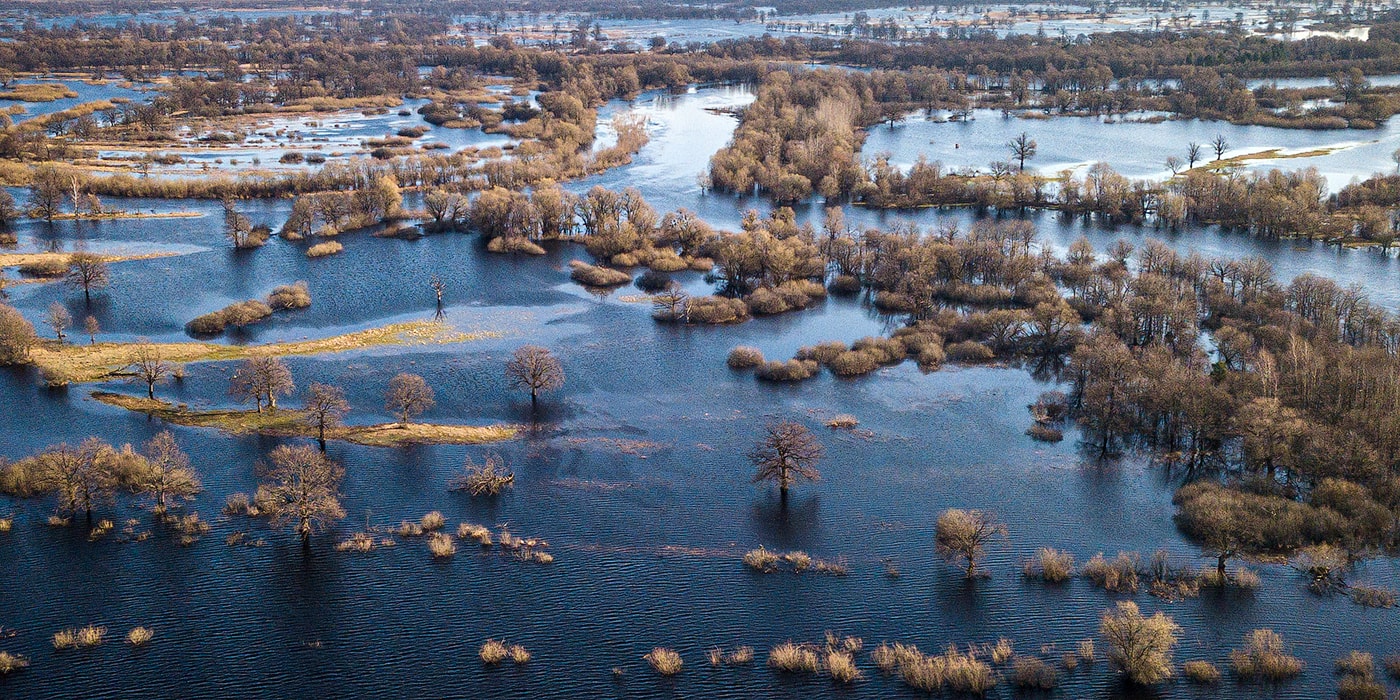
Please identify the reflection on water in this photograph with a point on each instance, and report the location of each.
(647, 541)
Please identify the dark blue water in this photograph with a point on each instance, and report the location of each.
(647, 539)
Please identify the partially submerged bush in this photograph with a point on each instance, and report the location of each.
(441, 545)
(1351, 688)
(970, 352)
(1031, 672)
(665, 661)
(139, 636)
(744, 357)
(716, 310)
(1201, 672)
(1045, 433)
(1358, 664)
(1139, 647)
(493, 652)
(324, 248)
(794, 658)
(595, 276)
(1050, 565)
(9, 663)
(290, 296)
(243, 313)
(432, 521)
(854, 363)
(486, 479)
(1118, 575)
(822, 353)
(1371, 596)
(790, 371)
(89, 636)
(843, 421)
(761, 560)
(516, 244)
(1263, 658)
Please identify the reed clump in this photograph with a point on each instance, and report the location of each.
(595, 276)
(1120, 575)
(764, 561)
(790, 657)
(1049, 565)
(479, 533)
(1371, 596)
(740, 656)
(1201, 672)
(321, 250)
(82, 637)
(139, 636)
(432, 521)
(493, 652)
(9, 663)
(1263, 658)
(361, 542)
(1032, 672)
(664, 661)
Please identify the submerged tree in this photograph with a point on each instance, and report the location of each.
(535, 369)
(1139, 647)
(408, 396)
(148, 366)
(166, 473)
(964, 535)
(1023, 148)
(787, 452)
(325, 408)
(87, 271)
(300, 487)
(80, 477)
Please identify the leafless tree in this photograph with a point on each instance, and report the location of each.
(1193, 154)
(166, 474)
(408, 396)
(965, 535)
(325, 408)
(786, 452)
(58, 319)
(148, 366)
(80, 477)
(1023, 148)
(300, 487)
(92, 328)
(262, 378)
(87, 271)
(534, 368)
(1220, 145)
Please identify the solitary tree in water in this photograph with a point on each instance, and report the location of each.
(1139, 647)
(965, 535)
(301, 487)
(166, 473)
(1023, 148)
(408, 396)
(787, 452)
(534, 368)
(325, 407)
(58, 319)
(78, 476)
(86, 271)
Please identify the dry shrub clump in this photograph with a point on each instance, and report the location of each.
(844, 421)
(1263, 658)
(1358, 678)
(595, 276)
(744, 357)
(324, 248)
(441, 545)
(1045, 433)
(953, 670)
(1031, 672)
(716, 310)
(1201, 672)
(790, 657)
(821, 353)
(9, 663)
(480, 533)
(1119, 575)
(515, 244)
(239, 504)
(853, 363)
(6, 523)
(89, 636)
(290, 296)
(1358, 664)
(359, 542)
(761, 560)
(969, 352)
(1371, 596)
(1392, 666)
(486, 479)
(664, 661)
(493, 652)
(432, 521)
(790, 371)
(1050, 565)
(139, 636)
(841, 666)
(408, 529)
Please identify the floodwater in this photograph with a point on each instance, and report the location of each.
(635, 474)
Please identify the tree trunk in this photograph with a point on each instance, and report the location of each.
(1220, 569)
(150, 390)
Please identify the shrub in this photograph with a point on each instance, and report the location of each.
(931, 356)
(744, 357)
(1051, 565)
(884, 350)
(652, 281)
(664, 661)
(359, 542)
(1139, 647)
(1371, 596)
(844, 421)
(1358, 664)
(1119, 575)
(970, 352)
(822, 353)
(666, 261)
(1360, 689)
(139, 636)
(45, 267)
(761, 560)
(89, 636)
(323, 249)
(476, 532)
(519, 654)
(841, 665)
(486, 479)
(794, 658)
(291, 157)
(1045, 433)
(853, 363)
(493, 652)
(801, 561)
(1392, 666)
(790, 371)
(516, 244)
(238, 504)
(290, 296)
(716, 310)
(1202, 672)
(432, 521)
(741, 655)
(441, 545)
(1263, 658)
(845, 284)
(1031, 672)
(9, 663)
(594, 276)
(765, 301)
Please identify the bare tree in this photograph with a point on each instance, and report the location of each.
(46, 193)
(786, 452)
(16, 336)
(148, 366)
(1174, 165)
(80, 477)
(1193, 154)
(439, 287)
(262, 378)
(87, 271)
(1023, 148)
(965, 535)
(536, 369)
(167, 473)
(1139, 647)
(1220, 145)
(300, 487)
(58, 319)
(91, 327)
(325, 408)
(408, 396)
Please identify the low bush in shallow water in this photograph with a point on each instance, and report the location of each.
(493, 652)
(1031, 672)
(790, 371)
(1050, 565)
(744, 357)
(321, 250)
(139, 636)
(441, 545)
(594, 276)
(1201, 672)
(664, 661)
(9, 663)
(1263, 658)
